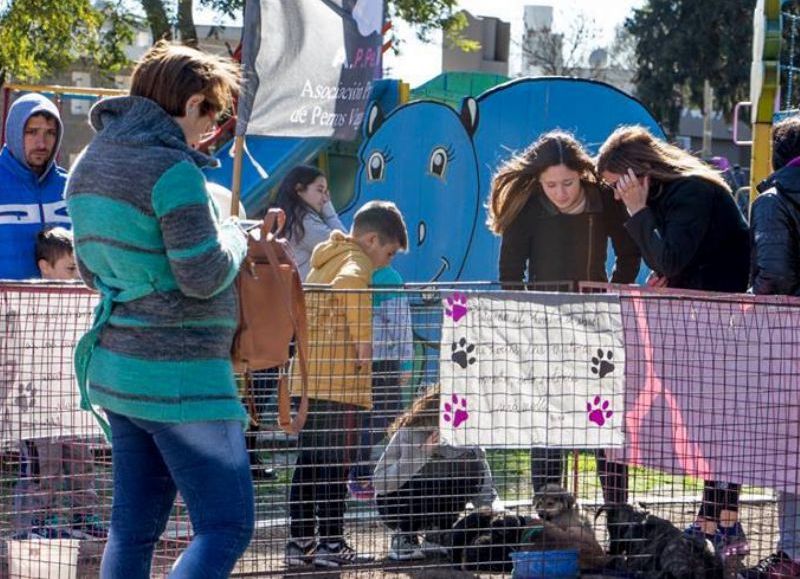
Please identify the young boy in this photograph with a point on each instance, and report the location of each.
(52, 468)
(339, 381)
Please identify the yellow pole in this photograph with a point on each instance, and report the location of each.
(764, 86)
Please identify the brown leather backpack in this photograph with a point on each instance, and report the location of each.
(272, 311)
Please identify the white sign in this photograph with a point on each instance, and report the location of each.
(38, 393)
(532, 369)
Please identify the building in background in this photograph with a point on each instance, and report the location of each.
(74, 112)
(494, 36)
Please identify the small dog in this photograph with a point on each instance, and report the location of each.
(483, 541)
(566, 528)
(653, 547)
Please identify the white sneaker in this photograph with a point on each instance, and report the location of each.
(405, 547)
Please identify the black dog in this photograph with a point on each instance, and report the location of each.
(482, 541)
(648, 546)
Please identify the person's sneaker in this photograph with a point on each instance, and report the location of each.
(299, 553)
(91, 525)
(776, 566)
(731, 541)
(727, 541)
(405, 547)
(361, 489)
(336, 554)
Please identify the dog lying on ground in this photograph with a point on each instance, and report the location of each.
(566, 528)
(649, 546)
(483, 541)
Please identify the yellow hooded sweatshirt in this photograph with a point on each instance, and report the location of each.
(336, 322)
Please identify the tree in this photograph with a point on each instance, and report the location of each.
(682, 43)
(425, 15)
(560, 54)
(38, 38)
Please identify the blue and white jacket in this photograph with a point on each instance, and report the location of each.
(28, 202)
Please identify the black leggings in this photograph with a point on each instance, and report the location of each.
(430, 503)
(718, 497)
(548, 466)
(319, 485)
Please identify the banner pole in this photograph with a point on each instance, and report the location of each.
(236, 187)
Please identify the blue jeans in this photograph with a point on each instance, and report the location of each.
(789, 524)
(207, 463)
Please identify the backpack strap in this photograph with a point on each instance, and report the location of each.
(293, 299)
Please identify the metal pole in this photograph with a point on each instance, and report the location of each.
(236, 187)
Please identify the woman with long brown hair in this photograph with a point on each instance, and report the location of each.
(693, 236)
(556, 219)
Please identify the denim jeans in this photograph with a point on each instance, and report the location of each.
(207, 463)
(789, 524)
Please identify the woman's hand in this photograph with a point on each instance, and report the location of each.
(632, 191)
(656, 280)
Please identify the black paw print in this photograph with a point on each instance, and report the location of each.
(601, 364)
(462, 353)
(26, 399)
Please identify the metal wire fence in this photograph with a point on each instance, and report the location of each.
(582, 429)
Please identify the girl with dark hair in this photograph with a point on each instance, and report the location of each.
(693, 236)
(556, 220)
(310, 217)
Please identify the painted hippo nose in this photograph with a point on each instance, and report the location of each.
(422, 233)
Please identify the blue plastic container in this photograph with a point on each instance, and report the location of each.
(545, 564)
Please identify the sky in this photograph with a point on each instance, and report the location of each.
(419, 62)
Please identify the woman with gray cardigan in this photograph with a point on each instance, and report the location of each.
(310, 217)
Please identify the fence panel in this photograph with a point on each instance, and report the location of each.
(687, 387)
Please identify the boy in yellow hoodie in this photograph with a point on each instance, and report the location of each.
(339, 380)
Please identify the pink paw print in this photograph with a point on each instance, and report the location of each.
(456, 306)
(456, 412)
(599, 413)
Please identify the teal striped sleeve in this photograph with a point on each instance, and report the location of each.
(204, 256)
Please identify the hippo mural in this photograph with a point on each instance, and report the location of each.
(436, 163)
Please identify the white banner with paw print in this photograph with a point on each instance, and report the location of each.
(532, 369)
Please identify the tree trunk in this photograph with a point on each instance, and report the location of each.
(157, 19)
(186, 28)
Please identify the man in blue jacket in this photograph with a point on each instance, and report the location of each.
(31, 184)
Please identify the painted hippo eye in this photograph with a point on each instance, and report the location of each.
(438, 162)
(376, 166)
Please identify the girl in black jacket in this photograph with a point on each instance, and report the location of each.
(693, 236)
(556, 219)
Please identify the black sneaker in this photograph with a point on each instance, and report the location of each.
(337, 554)
(299, 553)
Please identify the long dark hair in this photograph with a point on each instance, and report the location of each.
(289, 200)
(518, 178)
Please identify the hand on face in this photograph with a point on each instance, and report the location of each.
(631, 190)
